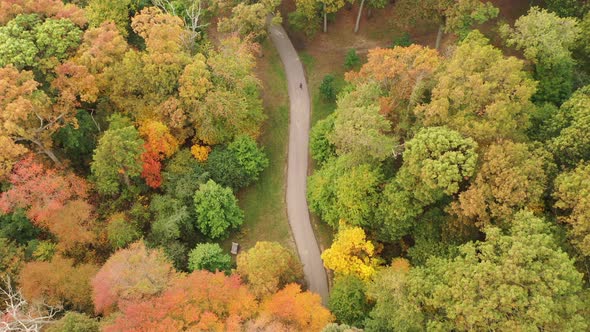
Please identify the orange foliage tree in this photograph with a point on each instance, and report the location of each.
(41, 191)
(59, 282)
(71, 224)
(74, 85)
(299, 311)
(202, 301)
(131, 274)
(159, 144)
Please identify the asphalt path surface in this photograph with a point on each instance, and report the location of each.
(297, 210)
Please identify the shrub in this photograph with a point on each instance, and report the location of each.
(352, 60)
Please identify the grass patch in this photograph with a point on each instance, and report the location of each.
(264, 202)
(320, 109)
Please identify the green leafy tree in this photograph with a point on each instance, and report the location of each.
(572, 192)
(343, 190)
(351, 60)
(348, 301)
(230, 105)
(121, 231)
(360, 129)
(17, 42)
(116, 11)
(44, 251)
(117, 159)
(217, 210)
(29, 42)
(17, 227)
(572, 143)
(436, 162)
(78, 142)
(75, 322)
(397, 210)
(209, 256)
(327, 89)
(480, 93)
(321, 148)
(393, 311)
(250, 18)
(267, 267)
(225, 169)
(536, 276)
(568, 8)
(457, 16)
(182, 176)
(57, 38)
(173, 221)
(543, 36)
(249, 156)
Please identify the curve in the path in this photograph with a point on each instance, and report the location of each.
(297, 210)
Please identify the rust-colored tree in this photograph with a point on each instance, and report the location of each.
(59, 282)
(71, 224)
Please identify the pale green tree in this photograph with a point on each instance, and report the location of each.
(481, 93)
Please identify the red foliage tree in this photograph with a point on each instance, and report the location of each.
(41, 191)
(152, 168)
(202, 301)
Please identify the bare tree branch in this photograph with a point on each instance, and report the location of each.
(19, 315)
(192, 16)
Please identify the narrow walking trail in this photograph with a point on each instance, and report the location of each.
(299, 124)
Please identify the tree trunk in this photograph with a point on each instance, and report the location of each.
(47, 151)
(325, 20)
(358, 17)
(441, 29)
(52, 156)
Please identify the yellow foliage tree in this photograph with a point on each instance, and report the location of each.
(351, 254)
(200, 152)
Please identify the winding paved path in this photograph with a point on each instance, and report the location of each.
(297, 210)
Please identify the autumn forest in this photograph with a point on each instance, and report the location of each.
(151, 180)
